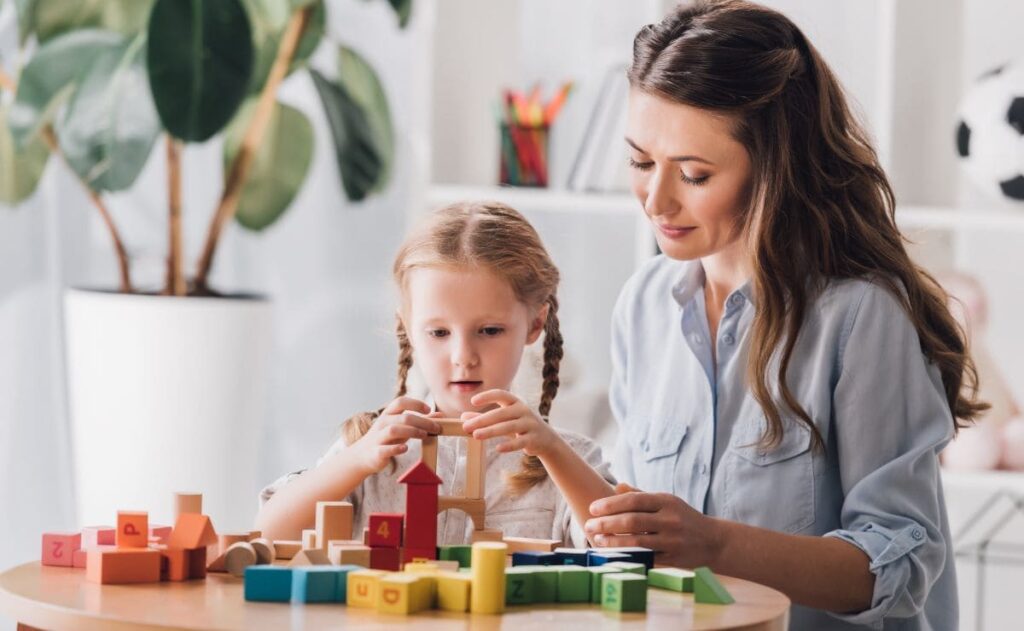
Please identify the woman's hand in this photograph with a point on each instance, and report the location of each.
(680, 535)
(513, 419)
(402, 419)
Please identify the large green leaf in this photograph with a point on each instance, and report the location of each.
(359, 159)
(52, 76)
(362, 83)
(19, 169)
(279, 166)
(50, 18)
(200, 62)
(111, 123)
(269, 18)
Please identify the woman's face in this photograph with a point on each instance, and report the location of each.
(691, 176)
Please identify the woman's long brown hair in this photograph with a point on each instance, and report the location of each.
(821, 207)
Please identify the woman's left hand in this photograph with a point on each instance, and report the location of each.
(512, 418)
(680, 535)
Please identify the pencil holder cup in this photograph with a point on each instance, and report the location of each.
(524, 155)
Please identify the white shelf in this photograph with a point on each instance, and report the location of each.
(983, 481)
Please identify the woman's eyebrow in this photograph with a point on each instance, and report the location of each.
(673, 158)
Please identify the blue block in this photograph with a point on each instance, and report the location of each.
(571, 556)
(268, 583)
(343, 571)
(316, 584)
(602, 557)
(530, 557)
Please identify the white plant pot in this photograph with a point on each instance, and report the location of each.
(166, 394)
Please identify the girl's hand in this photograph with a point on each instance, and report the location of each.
(402, 419)
(512, 418)
(680, 535)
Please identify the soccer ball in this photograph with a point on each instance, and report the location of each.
(990, 133)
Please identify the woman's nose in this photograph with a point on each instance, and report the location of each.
(660, 195)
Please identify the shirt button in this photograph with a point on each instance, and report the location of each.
(728, 339)
(735, 299)
(917, 534)
(697, 339)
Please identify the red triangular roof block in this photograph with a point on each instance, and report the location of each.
(419, 473)
(192, 531)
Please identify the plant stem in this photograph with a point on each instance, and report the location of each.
(240, 166)
(50, 138)
(175, 279)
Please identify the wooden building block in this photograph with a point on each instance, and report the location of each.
(265, 551)
(255, 534)
(453, 591)
(430, 565)
(524, 544)
(428, 452)
(451, 427)
(348, 554)
(386, 559)
(708, 590)
(285, 550)
(573, 584)
(475, 469)
(545, 579)
(487, 594)
(333, 521)
(159, 533)
(59, 548)
(268, 583)
(413, 554)
(315, 584)
(571, 556)
(671, 578)
(197, 562)
(132, 529)
(343, 572)
(635, 554)
(309, 539)
(187, 503)
(191, 531)
(174, 564)
(474, 507)
(628, 566)
(314, 556)
(79, 558)
(624, 592)
(366, 536)
(421, 506)
(226, 540)
(239, 556)
(487, 534)
(461, 554)
(519, 586)
(599, 557)
(403, 594)
(96, 536)
(531, 557)
(596, 587)
(363, 588)
(386, 530)
(123, 565)
(218, 564)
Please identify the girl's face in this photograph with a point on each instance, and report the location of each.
(467, 331)
(689, 173)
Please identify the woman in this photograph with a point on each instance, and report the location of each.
(784, 375)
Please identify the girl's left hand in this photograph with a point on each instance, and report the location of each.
(512, 418)
(680, 535)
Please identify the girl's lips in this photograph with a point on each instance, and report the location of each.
(675, 232)
(464, 386)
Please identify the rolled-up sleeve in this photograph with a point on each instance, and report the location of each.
(891, 419)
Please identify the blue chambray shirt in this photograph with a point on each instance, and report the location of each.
(689, 426)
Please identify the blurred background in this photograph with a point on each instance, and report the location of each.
(384, 110)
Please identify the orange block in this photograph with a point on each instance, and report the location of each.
(193, 531)
(197, 563)
(123, 565)
(174, 564)
(132, 529)
(59, 548)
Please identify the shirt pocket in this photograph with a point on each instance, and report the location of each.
(655, 443)
(770, 488)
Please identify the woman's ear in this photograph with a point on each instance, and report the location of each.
(537, 325)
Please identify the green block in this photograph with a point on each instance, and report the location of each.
(520, 585)
(596, 571)
(671, 578)
(545, 582)
(624, 591)
(628, 566)
(573, 584)
(707, 589)
(462, 554)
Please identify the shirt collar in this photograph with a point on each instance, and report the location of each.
(692, 281)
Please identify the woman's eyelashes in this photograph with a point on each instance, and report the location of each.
(647, 166)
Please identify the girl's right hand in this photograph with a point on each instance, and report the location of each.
(402, 419)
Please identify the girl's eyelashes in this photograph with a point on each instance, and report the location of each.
(647, 166)
(492, 331)
(437, 332)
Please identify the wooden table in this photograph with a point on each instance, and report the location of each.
(61, 598)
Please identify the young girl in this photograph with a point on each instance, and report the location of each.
(477, 287)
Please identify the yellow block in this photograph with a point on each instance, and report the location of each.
(363, 587)
(403, 593)
(488, 591)
(453, 590)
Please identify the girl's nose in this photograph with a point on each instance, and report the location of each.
(464, 355)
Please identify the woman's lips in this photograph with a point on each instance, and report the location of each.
(464, 386)
(675, 232)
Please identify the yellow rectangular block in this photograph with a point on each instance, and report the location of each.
(453, 590)
(488, 571)
(363, 587)
(403, 593)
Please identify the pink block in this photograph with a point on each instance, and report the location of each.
(160, 533)
(59, 548)
(95, 536)
(79, 558)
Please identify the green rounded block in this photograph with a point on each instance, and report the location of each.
(268, 583)
(630, 567)
(462, 554)
(520, 585)
(573, 584)
(671, 578)
(707, 589)
(596, 572)
(624, 592)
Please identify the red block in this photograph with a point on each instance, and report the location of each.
(197, 563)
(96, 536)
(59, 548)
(420, 506)
(386, 530)
(411, 554)
(385, 559)
(174, 564)
(160, 533)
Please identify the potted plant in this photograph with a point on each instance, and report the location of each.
(166, 387)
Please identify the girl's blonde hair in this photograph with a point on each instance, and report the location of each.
(495, 237)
